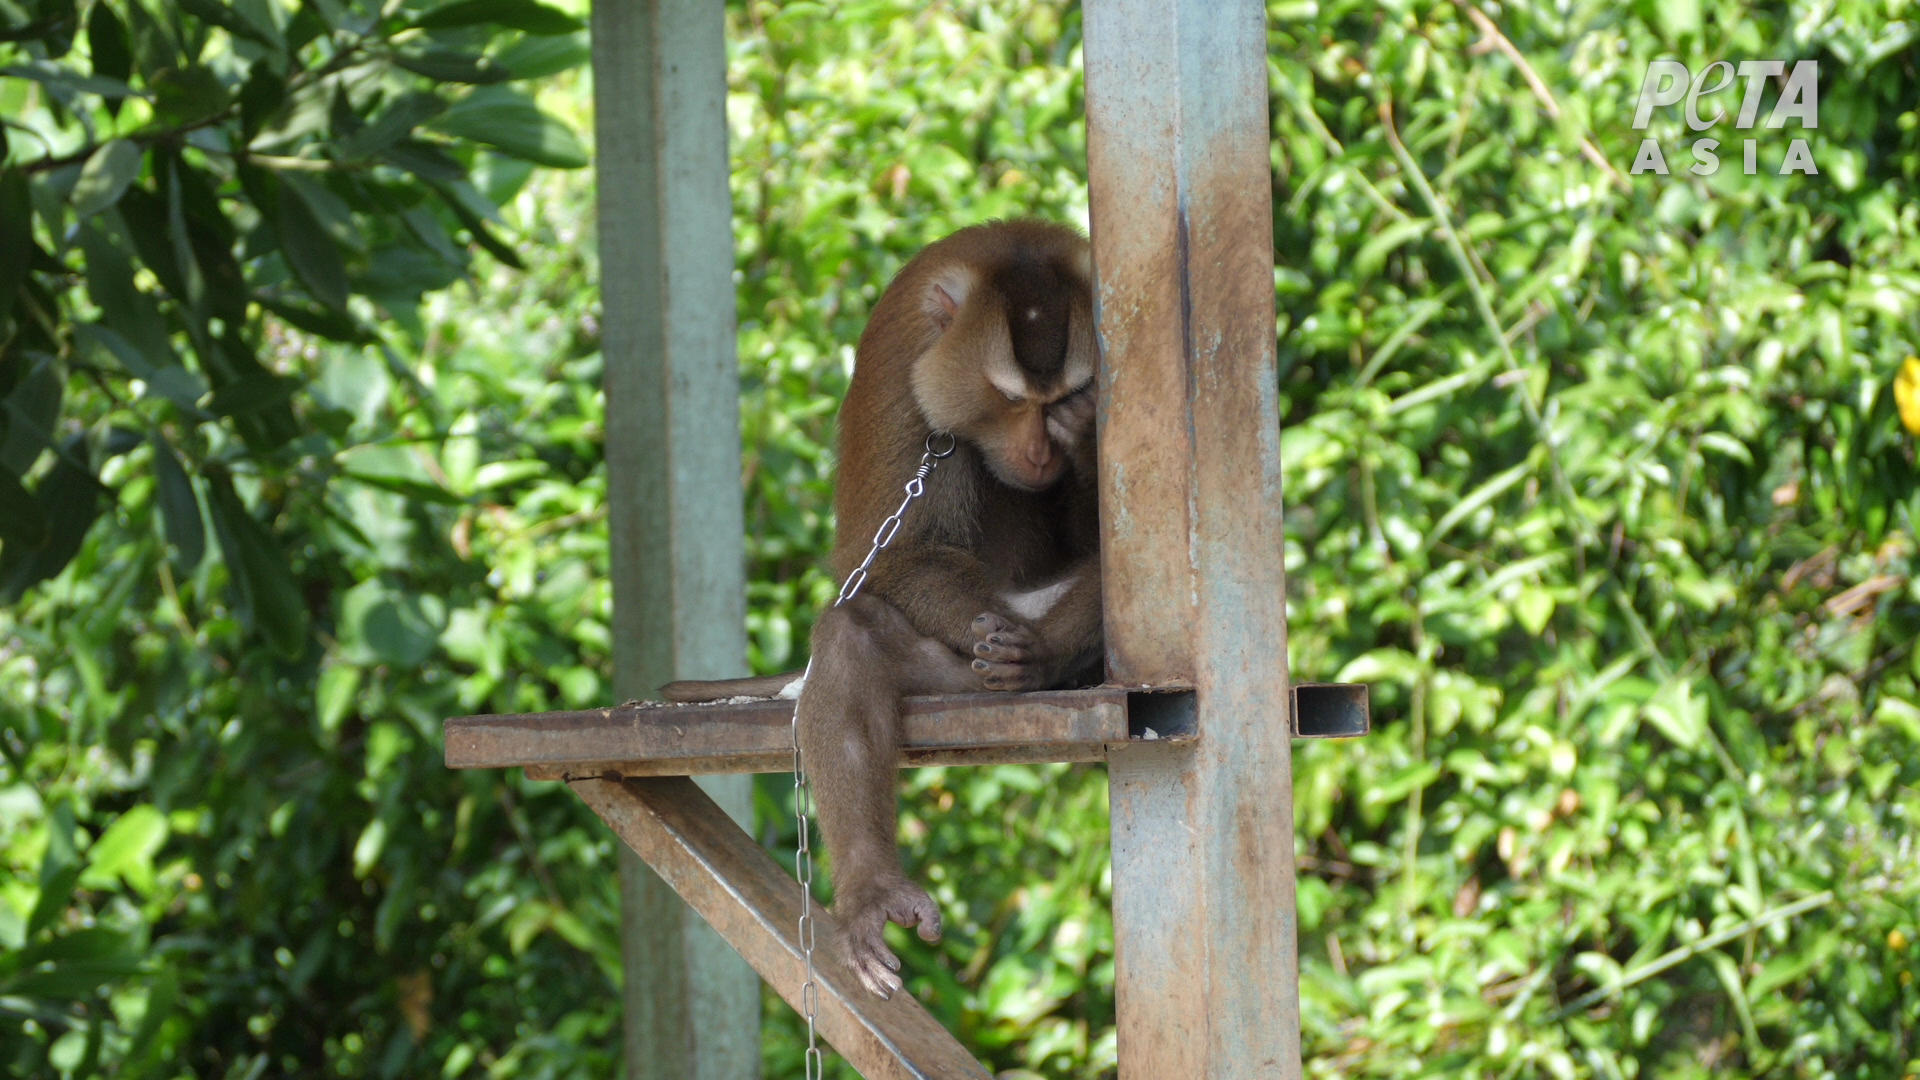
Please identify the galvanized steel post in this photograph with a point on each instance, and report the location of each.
(1182, 215)
(673, 473)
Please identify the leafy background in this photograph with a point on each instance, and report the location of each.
(1601, 482)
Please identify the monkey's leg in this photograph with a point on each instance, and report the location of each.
(1060, 639)
(865, 658)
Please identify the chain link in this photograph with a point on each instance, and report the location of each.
(802, 790)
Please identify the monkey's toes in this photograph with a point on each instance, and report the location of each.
(904, 903)
(876, 966)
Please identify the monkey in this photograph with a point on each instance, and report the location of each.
(993, 580)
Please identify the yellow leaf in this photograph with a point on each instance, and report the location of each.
(1906, 394)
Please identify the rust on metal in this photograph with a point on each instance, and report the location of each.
(647, 739)
(730, 880)
(1180, 190)
(1145, 432)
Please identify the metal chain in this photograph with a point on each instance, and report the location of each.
(802, 791)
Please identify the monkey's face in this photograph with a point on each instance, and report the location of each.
(1014, 377)
(1011, 363)
(1027, 441)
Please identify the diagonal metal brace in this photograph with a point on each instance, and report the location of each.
(731, 881)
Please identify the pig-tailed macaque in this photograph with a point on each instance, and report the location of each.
(993, 581)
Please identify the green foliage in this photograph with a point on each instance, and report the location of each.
(252, 470)
(1611, 504)
(288, 474)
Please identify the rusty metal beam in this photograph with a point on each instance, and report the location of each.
(1207, 978)
(649, 739)
(729, 879)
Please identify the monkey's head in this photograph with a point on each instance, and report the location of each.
(1012, 370)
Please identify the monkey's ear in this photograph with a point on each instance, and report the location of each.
(944, 307)
(945, 296)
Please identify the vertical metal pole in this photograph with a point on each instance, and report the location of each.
(1182, 213)
(673, 474)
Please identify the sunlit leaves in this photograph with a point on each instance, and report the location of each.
(1626, 628)
(528, 15)
(106, 176)
(265, 594)
(503, 118)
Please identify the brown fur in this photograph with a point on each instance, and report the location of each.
(1012, 513)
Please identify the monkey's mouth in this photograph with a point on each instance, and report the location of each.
(1027, 476)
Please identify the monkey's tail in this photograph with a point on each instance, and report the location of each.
(688, 691)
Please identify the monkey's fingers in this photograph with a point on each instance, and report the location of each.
(1010, 677)
(987, 625)
(1000, 649)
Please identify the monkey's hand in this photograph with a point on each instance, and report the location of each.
(1009, 656)
(863, 918)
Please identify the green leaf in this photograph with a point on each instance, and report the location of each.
(266, 597)
(16, 236)
(252, 393)
(234, 21)
(107, 43)
(482, 235)
(260, 98)
(186, 96)
(381, 625)
(106, 176)
(445, 65)
(503, 473)
(179, 505)
(72, 966)
(124, 307)
(539, 57)
(502, 118)
(310, 251)
(31, 411)
(1481, 496)
(70, 498)
(396, 122)
(395, 468)
(170, 380)
(70, 81)
(332, 325)
(334, 695)
(528, 15)
(1679, 713)
(1534, 608)
(367, 849)
(160, 999)
(127, 848)
(59, 870)
(425, 160)
(21, 519)
(1373, 254)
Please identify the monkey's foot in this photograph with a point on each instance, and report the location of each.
(1005, 655)
(863, 921)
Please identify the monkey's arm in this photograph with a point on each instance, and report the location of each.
(938, 587)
